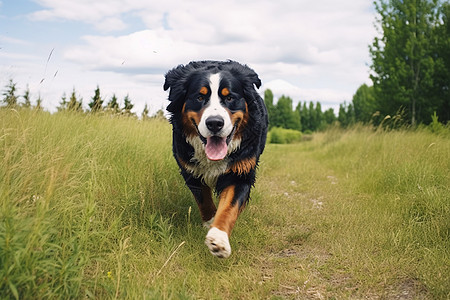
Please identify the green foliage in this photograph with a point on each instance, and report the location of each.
(364, 104)
(113, 105)
(441, 45)
(408, 59)
(346, 116)
(329, 117)
(63, 104)
(281, 114)
(159, 115)
(144, 115)
(9, 95)
(27, 98)
(437, 127)
(75, 104)
(306, 118)
(96, 103)
(279, 135)
(127, 105)
(284, 115)
(268, 101)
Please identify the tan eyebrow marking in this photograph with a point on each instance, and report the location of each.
(225, 92)
(204, 90)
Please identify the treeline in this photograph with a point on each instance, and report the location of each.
(410, 61)
(309, 117)
(306, 117)
(74, 103)
(12, 100)
(410, 74)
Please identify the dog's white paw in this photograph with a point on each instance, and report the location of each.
(217, 242)
(207, 224)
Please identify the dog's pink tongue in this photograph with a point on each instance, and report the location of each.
(216, 148)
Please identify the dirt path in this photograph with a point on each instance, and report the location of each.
(298, 199)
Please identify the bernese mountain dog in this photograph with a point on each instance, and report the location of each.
(219, 131)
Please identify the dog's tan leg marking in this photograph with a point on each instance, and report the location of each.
(217, 238)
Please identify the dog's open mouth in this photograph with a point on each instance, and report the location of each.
(216, 147)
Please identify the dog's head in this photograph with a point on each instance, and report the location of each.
(211, 100)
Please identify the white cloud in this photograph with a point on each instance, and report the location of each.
(105, 16)
(140, 52)
(10, 40)
(319, 47)
(258, 32)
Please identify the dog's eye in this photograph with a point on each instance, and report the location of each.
(228, 98)
(200, 98)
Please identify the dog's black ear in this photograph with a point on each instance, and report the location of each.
(253, 77)
(167, 82)
(173, 77)
(245, 73)
(251, 80)
(175, 80)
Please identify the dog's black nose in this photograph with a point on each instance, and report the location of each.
(214, 123)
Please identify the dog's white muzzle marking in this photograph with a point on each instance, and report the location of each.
(215, 109)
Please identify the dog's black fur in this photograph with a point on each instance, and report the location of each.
(251, 123)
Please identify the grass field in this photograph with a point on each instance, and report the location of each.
(94, 207)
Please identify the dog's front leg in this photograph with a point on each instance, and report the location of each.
(232, 200)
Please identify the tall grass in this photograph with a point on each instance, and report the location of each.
(394, 211)
(73, 189)
(94, 207)
(361, 214)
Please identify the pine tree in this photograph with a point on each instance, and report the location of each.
(127, 106)
(27, 98)
(320, 124)
(298, 111)
(346, 115)
(96, 101)
(144, 115)
(312, 117)
(268, 101)
(9, 96)
(159, 115)
(74, 104)
(351, 114)
(305, 118)
(113, 105)
(38, 105)
(342, 116)
(63, 104)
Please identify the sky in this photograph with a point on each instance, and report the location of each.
(307, 50)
